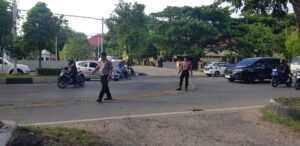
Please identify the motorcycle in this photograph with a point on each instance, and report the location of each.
(297, 84)
(279, 78)
(65, 79)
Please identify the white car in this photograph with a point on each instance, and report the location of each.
(86, 67)
(215, 68)
(112, 59)
(7, 67)
(295, 65)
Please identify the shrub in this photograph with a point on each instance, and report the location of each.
(48, 71)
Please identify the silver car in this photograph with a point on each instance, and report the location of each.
(87, 67)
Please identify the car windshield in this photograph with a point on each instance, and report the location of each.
(114, 58)
(208, 64)
(296, 60)
(246, 62)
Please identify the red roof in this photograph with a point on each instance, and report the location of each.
(96, 40)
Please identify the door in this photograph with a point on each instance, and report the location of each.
(4, 66)
(222, 67)
(83, 67)
(92, 66)
(260, 69)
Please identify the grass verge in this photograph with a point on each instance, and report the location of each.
(293, 102)
(289, 122)
(24, 76)
(58, 136)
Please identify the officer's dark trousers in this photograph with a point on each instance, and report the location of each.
(105, 88)
(184, 74)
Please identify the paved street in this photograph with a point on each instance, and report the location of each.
(27, 104)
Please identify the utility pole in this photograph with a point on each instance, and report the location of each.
(14, 31)
(98, 55)
(56, 49)
(102, 35)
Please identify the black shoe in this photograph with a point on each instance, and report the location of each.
(178, 89)
(100, 100)
(108, 99)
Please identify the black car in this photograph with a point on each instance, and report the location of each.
(250, 69)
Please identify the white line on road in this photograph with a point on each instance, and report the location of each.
(137, 116)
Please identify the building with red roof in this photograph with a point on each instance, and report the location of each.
(96, 40)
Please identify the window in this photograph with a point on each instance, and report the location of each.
(93, 64)
(83, 64)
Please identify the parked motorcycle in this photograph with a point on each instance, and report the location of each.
(279, 78)
(65, 79)
(297, 84)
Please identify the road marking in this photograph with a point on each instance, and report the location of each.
(138, 116)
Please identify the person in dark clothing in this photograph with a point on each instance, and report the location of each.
(284, 69)
(72, 66)
(184, 69)
(105, 67)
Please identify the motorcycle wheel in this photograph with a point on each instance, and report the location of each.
(297, 85)
(289, 82)
(81, 81)
(62, 83)
(274, 82)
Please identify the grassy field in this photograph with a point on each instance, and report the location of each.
(293, 102)
(289, 122)
(58, 136)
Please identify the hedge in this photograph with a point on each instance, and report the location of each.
(48, 71)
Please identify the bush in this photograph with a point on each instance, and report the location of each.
(48, 71)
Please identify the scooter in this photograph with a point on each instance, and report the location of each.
(65, 79)
(297, 84)
(279, 78)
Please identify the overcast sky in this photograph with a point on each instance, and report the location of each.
(101, 8)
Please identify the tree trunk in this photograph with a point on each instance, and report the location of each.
(40, 58)
(296, 6)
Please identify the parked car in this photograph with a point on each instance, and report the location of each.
(86, 67)
(215, 68)
(251, 69)
(295, 65)
(112, 59)
(8, 67)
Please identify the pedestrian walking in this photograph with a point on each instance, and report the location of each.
(105, 67)
(184, 69)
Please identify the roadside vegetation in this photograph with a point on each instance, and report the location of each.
(293, 102)
(24, 76)
(289, 122)
(58, 136)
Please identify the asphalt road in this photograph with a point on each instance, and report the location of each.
(27, 104)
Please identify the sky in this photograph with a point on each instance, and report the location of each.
(99, 9)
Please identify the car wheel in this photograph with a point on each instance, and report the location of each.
(217, 74)
(297, 85)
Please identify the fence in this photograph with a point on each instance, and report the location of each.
(33, 64)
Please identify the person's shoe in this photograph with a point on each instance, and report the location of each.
(178, 89)
(108, 99)
(100, 100)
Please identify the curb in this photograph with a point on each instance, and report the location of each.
(27, 80)
(6, 132)
(283, 110)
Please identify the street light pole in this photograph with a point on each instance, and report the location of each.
(14, 32)
(102, 35)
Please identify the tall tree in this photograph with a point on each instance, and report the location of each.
(77, 47)
(127, 27)
(277, 8)
(6, 24)
(40, 29)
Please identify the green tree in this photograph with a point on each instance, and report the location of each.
(259, 41)
(6, 24)
(77, 47)
(293, 46)
(127, 27)
(277, 8)
(40, 29)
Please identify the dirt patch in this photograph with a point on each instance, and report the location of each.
(233, 128)
(1, 124)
